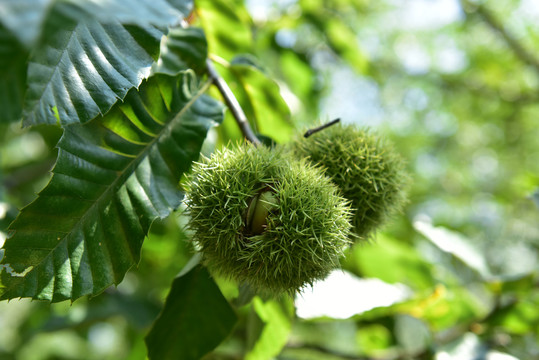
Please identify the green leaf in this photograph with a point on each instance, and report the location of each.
(519, 317)
(535, 198)
(441, 308)
(85, 62)
(227, 25)
(341, 38)
(505, 284)
(392, 262)
(25, 18)
(455, 244)
(276, 330)
(113, 177)
(13, 58)
(195, 319)
(183, 48)
(262, 102)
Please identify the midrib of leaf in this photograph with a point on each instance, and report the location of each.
(130, 168)
(125, 174)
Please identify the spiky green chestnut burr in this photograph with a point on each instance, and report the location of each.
(366, 168)
(261, 217)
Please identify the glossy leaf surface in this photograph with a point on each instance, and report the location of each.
(91, 54)
(113, 177)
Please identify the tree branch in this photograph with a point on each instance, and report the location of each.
(520, 51)
(232, 103)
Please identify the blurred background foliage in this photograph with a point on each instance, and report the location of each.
(455, 86)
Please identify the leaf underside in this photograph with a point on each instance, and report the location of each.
(90, 55)
(114, 176)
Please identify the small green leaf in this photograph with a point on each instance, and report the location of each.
(195, 319)
(114, 176)
(277, 327)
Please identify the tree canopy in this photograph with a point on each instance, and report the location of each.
(106, 104)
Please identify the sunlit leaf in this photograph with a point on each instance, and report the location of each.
(447, 307)
(392, 262)
(227, 25)
(113, 177)
(441, 308)
(261, 100)
(373, 338)
(342, 295)
(299, 75)
(25, 18)
(455, 244)
(518, 317)
(520, 283)
(343, 41)
(91, 54)
(275, 332)
(195, 319)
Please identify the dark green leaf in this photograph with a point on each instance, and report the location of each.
(90, 55)
(25, 18)
(113, 177)
(13, 58)
(184, 48)
(195, 319)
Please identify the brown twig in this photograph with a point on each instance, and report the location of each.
(321, 127)
(232, 103)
